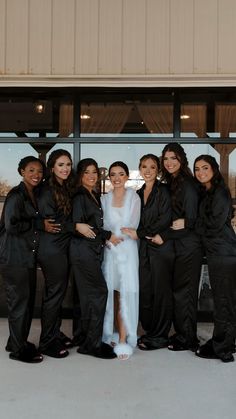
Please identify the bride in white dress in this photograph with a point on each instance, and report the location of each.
(121, 208)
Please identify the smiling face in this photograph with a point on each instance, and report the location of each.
(118, 177)
(171, 163)
(32, 174)
(203, 173)
(148, 170)
(90, 177)
(62, 168)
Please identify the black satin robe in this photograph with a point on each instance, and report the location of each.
(19, 239)
(53, 258)
(155, 267)
(188, 261)
(219, 241)
(86, 257)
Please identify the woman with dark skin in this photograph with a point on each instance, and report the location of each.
(188, 251)
(19, 241)
(219, 242)
(86, 258)
(155, 261)
(55, 204)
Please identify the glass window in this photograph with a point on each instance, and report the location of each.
(105, 154)
(193, 120)
(36, 117)
(128, 117)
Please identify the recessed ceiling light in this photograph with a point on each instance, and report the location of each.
(85, 116)
(184, 116)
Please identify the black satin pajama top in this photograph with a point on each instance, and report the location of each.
(156, 214)
(87, 210)
(185, 206)
(48, 208)
(214, 222)
(19, 237)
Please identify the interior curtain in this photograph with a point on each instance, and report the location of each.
(108, 118)
(225, 119)
(196, 123)
(158, 118)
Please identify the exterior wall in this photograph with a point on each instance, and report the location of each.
(129, 42)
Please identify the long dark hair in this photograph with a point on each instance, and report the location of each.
(175, 182)
(82, 166)
(61, 193)
(217, 178)
(216, 181)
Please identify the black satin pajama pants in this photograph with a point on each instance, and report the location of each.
(20, 286)
(155, 306)
(92, 290)
(55, 269)
(187, 271)
(222, 275)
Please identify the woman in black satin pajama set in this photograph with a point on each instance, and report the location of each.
(55, 203)
(219, 241)
(86, 253)
(19, 239)
(188, 250)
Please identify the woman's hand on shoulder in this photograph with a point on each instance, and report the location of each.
(50, 226)
(86, 230)
(131, 232)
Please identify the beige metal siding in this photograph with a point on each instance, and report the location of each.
(205, 36)
(17, 36)
(150, 41)
(40, 36)
(86, 37)
(2, 36)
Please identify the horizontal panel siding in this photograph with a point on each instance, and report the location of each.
(40, 36)
(126, 38)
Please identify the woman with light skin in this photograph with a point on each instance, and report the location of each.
(155, 261)
(188, 252)
(86, 253)
(19, 242)
(219, 242)
(121, 208)
(55, 204)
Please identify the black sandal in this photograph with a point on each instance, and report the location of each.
(29, 355)
(56, 350)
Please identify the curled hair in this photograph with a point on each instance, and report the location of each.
(152, 157)
(217, 178)
(30, 159)
(82, 167)
(119, 164)
(62, 194)
(175, 182)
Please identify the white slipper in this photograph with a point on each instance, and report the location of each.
(123, 351)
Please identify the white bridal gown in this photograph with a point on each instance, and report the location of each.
(120, 265)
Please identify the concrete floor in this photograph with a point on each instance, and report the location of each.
(150, 385)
